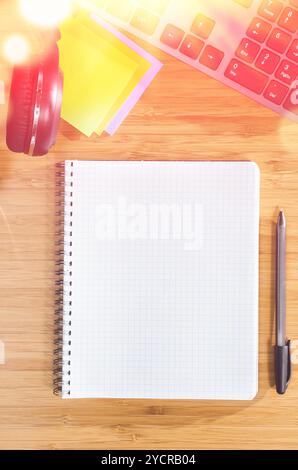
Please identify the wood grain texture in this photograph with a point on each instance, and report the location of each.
(184, 115)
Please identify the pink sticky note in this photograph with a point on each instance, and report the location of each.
(136, 94)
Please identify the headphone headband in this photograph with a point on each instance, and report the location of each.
(36, 112)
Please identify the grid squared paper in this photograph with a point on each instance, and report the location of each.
(160, 313)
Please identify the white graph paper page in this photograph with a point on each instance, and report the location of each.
(163, 262)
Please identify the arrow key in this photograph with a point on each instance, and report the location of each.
(211, 57)
(191, 46)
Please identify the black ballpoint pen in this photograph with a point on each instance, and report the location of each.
(282, 348)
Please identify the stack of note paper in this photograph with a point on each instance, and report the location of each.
(105, 74)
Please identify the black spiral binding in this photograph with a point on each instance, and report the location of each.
(63, 290)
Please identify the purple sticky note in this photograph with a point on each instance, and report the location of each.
(136, 94)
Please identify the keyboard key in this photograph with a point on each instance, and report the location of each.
(291, 103)
(191, 46)
(246, 76)
(211, 57)
(202, 26)
(276, 92)
(293, 51)
(120, 9)
(289, 19)
(248, 50)
(270, 9)
(155, 6)
(244, 3)
(144, 21)
(258, 30)
(267, 61)
(172, 36)
(287, 72)
(279, 40)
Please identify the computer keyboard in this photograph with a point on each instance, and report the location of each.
(249, 45)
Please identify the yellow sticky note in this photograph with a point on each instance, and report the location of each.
(140, 72)
(96, 72)
(142, 66)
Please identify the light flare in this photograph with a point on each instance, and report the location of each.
(45, 13)
(16, 49)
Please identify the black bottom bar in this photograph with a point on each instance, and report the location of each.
(148, 458)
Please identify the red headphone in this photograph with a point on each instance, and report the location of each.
(35, 105)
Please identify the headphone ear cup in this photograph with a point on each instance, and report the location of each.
(19, 120)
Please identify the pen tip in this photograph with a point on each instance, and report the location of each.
(281, 217)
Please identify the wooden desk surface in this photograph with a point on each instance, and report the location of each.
(184, 115)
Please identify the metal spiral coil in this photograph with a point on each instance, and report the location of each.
(63, 304)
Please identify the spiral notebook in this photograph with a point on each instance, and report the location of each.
(160, 280)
